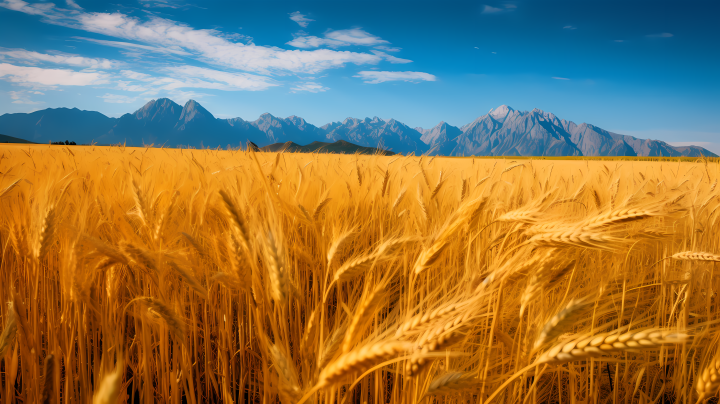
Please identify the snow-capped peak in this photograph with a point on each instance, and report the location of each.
(500, 112)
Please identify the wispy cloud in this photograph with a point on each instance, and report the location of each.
(135, 47)
(73, 4)
(301, 19)
(51, 78)
(570, 27)
(660, 35)
(310, 86)
(376, 77)
(491, 10)
(23, 97)
(63, 59)
(496, 10)
(561, 78)
(200, 77)
(118, 98)
(391, 58)
(207, 45)
(619, 40)
(344, 37)
(388, 48)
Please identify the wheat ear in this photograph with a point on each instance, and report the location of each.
(47, 232)
(320, 206)
(276, 269)
(332, 346)
(364, 315)
(451, 382)
(48, 380)
(696, 256)
(709, 381)
(288, 388)
(7, 338)
(457, 220)
(338, 244)
(560, 322)
(594, 346)
(177, 328)
(361, 359)
(109, 389)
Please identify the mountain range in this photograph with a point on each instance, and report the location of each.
(503, 131)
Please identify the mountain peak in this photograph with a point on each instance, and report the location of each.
(500, 112)
(161, 109)
(193, 110)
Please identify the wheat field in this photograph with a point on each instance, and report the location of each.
(134, 275)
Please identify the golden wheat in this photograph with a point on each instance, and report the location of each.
(242, 276)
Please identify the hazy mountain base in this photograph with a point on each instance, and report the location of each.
(501, 132)
(339, 147)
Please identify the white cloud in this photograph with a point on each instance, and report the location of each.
(200, 77)
(510, 6)
(661, 35)
(50, 77)
(300, 19)
(118, 99)
(390, 58)
(208, 45)
(136, 75)
(73, 4)
(23, 97)
(570, 27)
(63, 59)
(388, 48)
(309, 86)
(376, 77)
(355, 36)
(561, 78)
(134, 46)
(619, 40)
(491, 10)
(127, 86)
(344, 37)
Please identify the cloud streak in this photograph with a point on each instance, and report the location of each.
(63, 59)
(345, 37)
(25, 75)
(660, 35)
(300, 19)
(377, 77)
(310, 86)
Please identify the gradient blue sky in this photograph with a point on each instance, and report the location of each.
(644, 68)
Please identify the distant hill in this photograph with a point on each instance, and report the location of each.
(10, 139)
(503, 131)
(339, 147)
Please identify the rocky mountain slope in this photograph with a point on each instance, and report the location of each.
(501, 132)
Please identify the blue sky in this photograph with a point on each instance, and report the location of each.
(644, 68)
